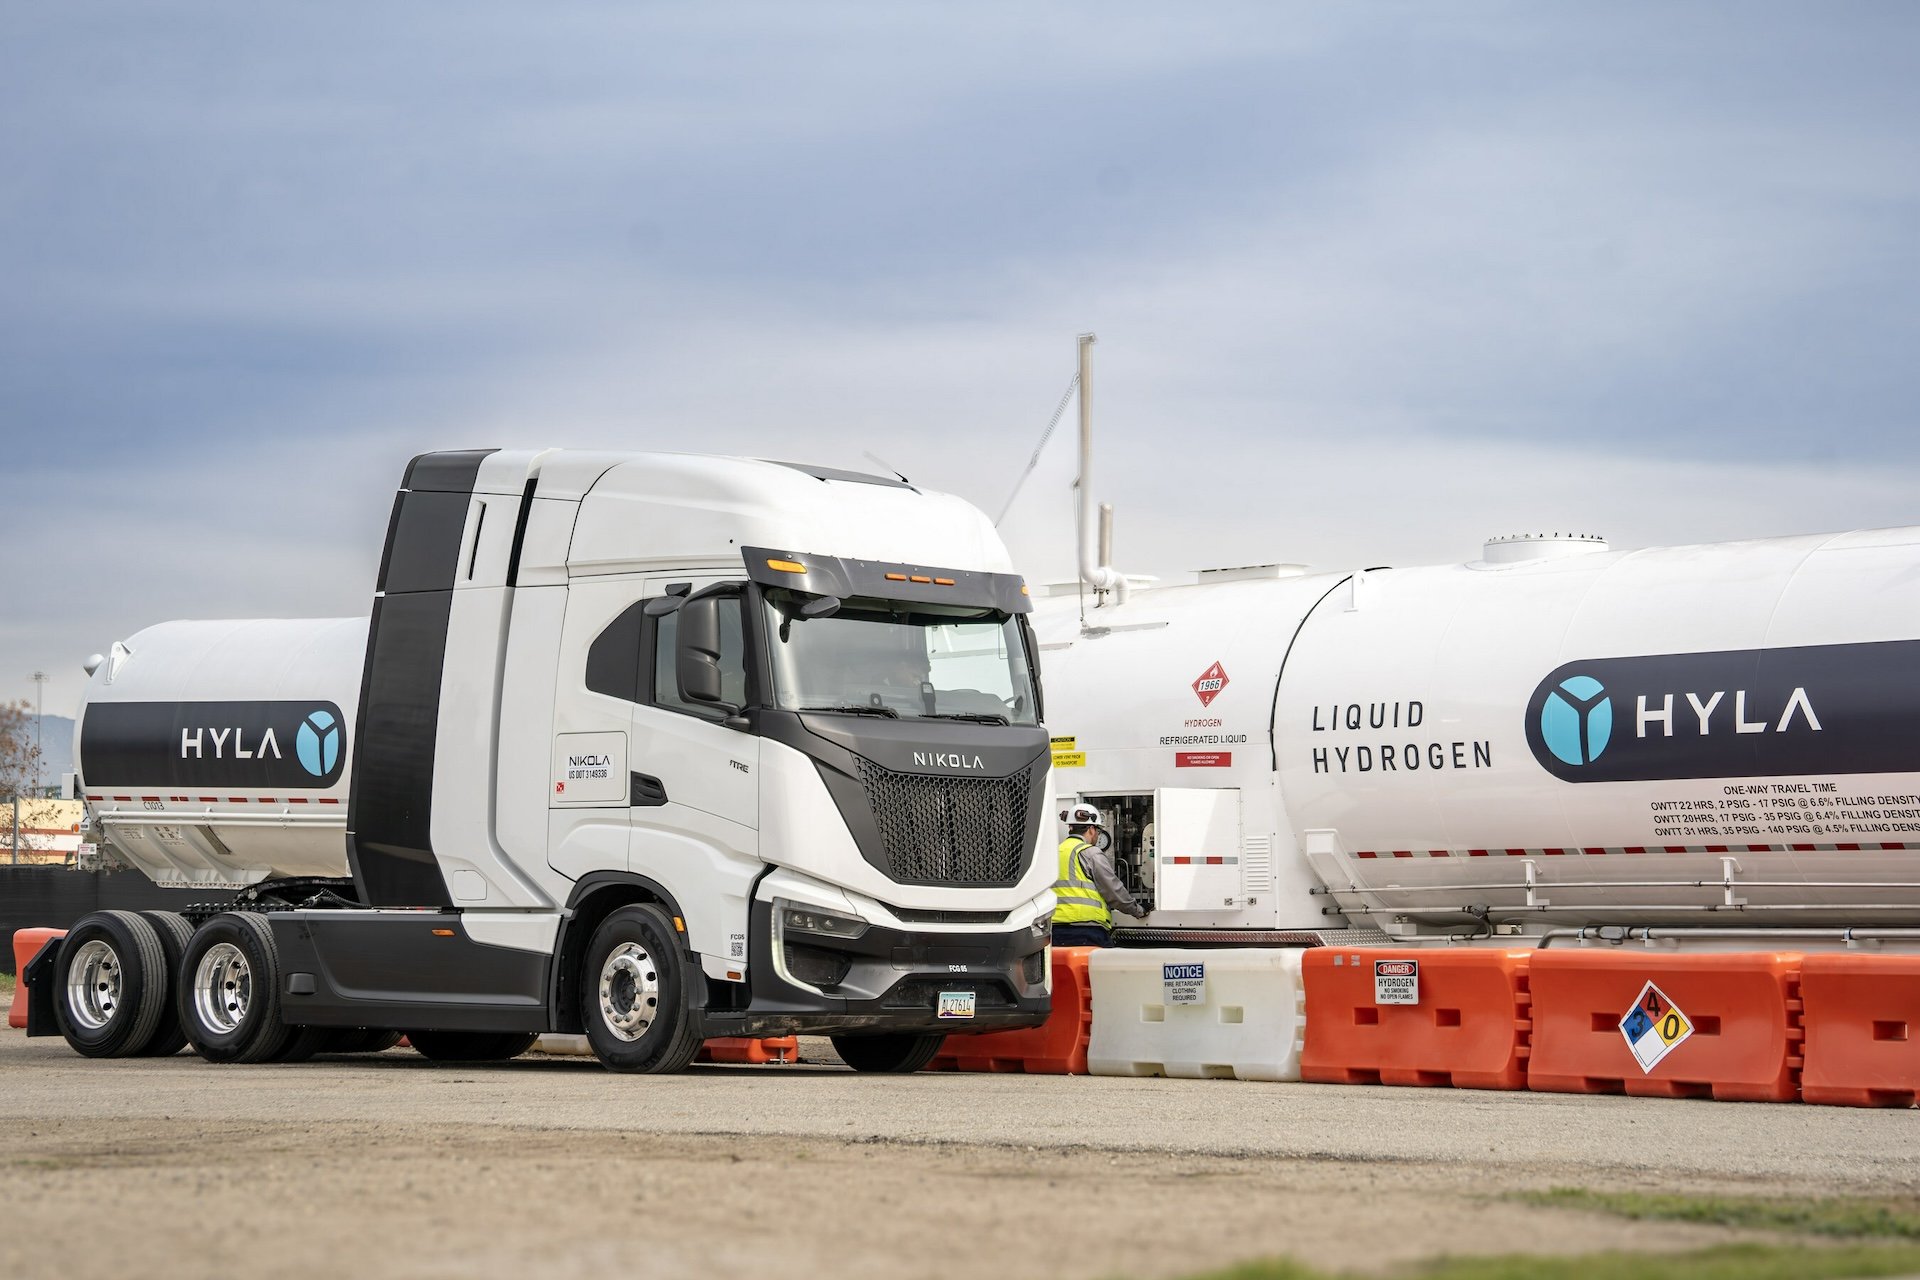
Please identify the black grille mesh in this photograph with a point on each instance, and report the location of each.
(949, 830)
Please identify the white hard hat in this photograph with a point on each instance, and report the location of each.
(1082, 815)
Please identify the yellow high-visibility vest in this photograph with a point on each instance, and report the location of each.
(1079, 897)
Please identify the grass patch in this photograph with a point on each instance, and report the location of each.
(6, 984)
(1722, 1262)
(1843, 1216)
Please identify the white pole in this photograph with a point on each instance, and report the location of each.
(1093, 571)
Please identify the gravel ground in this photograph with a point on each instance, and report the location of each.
(390, 1166)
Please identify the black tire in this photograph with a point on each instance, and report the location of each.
(637, 994)
(893, 1054)
(175, 933)
(111, 990)
(471, 1046)
(365, 1040)
(237, 1019)
(305, 1042)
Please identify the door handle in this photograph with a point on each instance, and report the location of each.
(646, 792)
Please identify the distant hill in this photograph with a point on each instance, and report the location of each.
(56, 747)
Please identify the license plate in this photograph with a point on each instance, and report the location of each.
(956, 1004)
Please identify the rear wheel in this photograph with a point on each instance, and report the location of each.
(471, 1046)
(113, 985)
(229, 996)
(894, 1053)
(175, 933)
(636, 994)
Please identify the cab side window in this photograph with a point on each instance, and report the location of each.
(733, 662)
(613, 660)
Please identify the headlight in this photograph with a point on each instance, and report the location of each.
(798, 919)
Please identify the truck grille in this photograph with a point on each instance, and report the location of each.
(948, 830)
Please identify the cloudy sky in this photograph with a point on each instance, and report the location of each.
(1372, 282)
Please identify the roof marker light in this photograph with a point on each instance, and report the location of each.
(896, 577)
(943, 582)
(920, 577)
(787, 566)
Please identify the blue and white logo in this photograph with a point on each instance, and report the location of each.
(1576, 722)
(317, 744)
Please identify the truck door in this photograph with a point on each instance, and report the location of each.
(1196, 848)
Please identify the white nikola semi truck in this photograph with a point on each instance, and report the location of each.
(653, 747)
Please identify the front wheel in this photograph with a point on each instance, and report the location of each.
(892, 1054)
(635, 994)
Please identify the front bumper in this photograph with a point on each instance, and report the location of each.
(886, 980)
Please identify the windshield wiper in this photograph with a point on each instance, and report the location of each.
(976, 717)
(855, 709)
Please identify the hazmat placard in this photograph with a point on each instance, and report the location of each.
(1396, 982)
(1654, 1027)
(1183, 983)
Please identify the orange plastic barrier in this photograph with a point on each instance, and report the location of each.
(735, 1049)
(1862, 1021)
(26, 945)
(1469, 1028)
(1624, 1020)
(1057, 1047)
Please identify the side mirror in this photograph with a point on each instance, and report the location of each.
(697, 664)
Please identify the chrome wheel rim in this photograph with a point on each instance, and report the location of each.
(629, 991)
(222, 988)
(93, 985)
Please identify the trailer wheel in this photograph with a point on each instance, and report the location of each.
(175, 933)
(635, 990)
(895, 1053)
(471, 1046)
(113, 991)
(229, 998)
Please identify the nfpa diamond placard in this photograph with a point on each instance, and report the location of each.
(1654, 1027)
(1210, 683)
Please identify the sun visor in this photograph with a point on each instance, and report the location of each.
(835, 576)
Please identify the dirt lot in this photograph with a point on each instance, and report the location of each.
(391, 1166)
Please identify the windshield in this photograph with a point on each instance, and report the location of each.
(877, 657)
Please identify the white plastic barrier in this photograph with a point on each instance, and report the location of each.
(557, 1043)
(1238, 1013)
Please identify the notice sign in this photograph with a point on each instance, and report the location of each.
(1396, 982)
(1183, 983)
(1654, 1027)
(1069, 759)
(1202, 759)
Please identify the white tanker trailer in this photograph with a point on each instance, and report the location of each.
(1703, 740)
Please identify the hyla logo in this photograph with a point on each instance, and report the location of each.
(317, 743)
(1577, 720)
(1210, 683)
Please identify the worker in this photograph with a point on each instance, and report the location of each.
(1087, 892)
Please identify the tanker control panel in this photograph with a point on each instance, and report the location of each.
(654, 747)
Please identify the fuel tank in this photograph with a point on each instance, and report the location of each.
(218, 754)
(1558, 734)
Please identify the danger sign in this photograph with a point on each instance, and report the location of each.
(1654, 1027)
(1210, 683)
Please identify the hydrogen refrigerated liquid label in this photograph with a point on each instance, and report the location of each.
(1396, 982)
(1654, 1027)
(1183, 983)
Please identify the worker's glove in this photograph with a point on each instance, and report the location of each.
(1139, 910)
